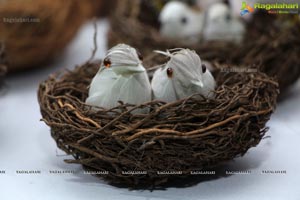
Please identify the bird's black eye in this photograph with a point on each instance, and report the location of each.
(170, 72)
(140, 55)
(228, 17)
(204, 68)
(184, 20)
(107, 62)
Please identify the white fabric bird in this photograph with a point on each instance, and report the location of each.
(205, 4)
(121, 77)
(183, 76)
(179, 21)
(221, 25)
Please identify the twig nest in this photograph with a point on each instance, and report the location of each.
(35, 31)
(271, 41)
(182, 136)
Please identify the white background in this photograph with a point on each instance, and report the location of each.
(26, 144)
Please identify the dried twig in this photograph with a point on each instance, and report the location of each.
(94, 41)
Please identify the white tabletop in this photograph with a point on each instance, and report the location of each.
(26, 144)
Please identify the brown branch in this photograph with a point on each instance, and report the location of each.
(78, 114)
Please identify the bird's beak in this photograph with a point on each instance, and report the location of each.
(127, 71)
(138, 69)
(198, 83)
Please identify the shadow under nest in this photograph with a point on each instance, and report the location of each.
(182, 136)
(271, 41)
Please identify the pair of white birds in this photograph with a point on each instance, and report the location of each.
(122, 77)
(180, 21)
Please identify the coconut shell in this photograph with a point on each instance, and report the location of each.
(2, 63)
(98, 8)
(182, 136)
(271, 42)
(35, 31)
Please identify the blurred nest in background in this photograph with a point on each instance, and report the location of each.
(2, 63)
(182, 136)
(35, 31)
(271, 41)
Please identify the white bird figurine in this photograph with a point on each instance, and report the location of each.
(181, 77)
(221, 25)
(205, 4)
(179, 21)
(121, 77)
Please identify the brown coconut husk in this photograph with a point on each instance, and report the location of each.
(98, 8)
(182, 136)
(271, 42)
(2, 63)
(34, 44)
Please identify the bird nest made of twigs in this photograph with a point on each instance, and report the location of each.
(271, 41)
(172, 140)
(35, 31)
